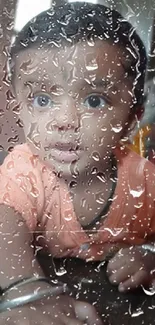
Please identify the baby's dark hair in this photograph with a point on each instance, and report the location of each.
(79, 21)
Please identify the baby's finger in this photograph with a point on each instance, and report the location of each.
(139, 278)
(120, 275)
(87, 313)
(71, 321)
(115, 264)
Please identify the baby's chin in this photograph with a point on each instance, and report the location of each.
(60, 168)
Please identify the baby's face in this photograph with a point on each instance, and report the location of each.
(75, 103)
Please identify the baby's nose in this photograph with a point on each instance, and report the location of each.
(67, 116)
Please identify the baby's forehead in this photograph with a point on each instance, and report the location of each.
(83, 60)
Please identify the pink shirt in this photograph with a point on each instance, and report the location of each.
(33, 189)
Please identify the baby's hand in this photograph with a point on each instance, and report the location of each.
(56, 310)
(130, 268)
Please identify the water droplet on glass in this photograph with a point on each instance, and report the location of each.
(19, 123)
(94, 171)
(1, 31)
(90, 41)
(16, 109)
(117, 129)
(1, 112)
(73, 184)
(92, 65)
(33, 135)
(137, 193)
(67, 216)
(6, 198)
(101, 177)
(83, 202)
(29, 66)
(99, 198)
(14, 139)
(1, 148)
(138, 205)
(61, 271)
(137, 313)
(20, 223)
(57, 91)
(9, 95)
(104, 128)
(148, 292)
(10, 165)
(6, 79)
(96, 156)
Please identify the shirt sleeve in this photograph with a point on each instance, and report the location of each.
(21, 186)
(150, 198)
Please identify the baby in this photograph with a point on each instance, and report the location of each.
(74, 189)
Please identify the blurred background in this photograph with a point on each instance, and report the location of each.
(15, 14)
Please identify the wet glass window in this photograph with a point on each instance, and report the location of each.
(77, 162)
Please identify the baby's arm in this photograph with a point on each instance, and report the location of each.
(16, 249)
(18, 261)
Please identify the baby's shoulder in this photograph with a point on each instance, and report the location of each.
(21, 165)
(136, 168)
(20, 159)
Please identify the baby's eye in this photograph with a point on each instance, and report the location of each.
(95, 101)
(42, 101)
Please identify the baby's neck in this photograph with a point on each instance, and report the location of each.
(92, 174)
(91, 193)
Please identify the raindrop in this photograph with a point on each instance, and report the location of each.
(114, 232)
(150, 292)
(99, 199)
(1, 148)
(1, 31)
(6, 198)
(92, 65)
(73, 184)
(94, 171)
(29, 67)
(16, 109)
(96, 156)
(61, 271)
(90, 41)
(67, 216)
(138, 205)
(101, 177)
(83, 202)
(9, 95)
(20, 223)
(55, 61)
(10, 165)
(6, 79)
(137, 193)
(1, 112)
(10, 26)
(137, 313)
(110, 108)
(57, 91)
(10, 149)
(65, 20)
(33, 134)
(100, 265)
(104, 128)
(117, 129)
(14, 139)
(90, 26)
(19, 123)
(6, 51)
